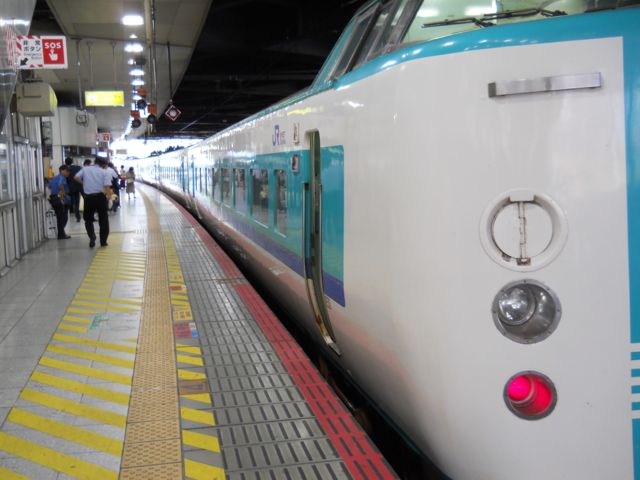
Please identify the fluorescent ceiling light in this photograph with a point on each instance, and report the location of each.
(138, 82)
(132, 20)
(137, 97)
(133, 47)
(136, 72)
(131, 61)
(133, 35)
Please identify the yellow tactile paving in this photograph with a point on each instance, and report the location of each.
(73, 408)
(193, 384)
(151, 453)
(79, 387)
(82, 311)
(73, 319)
(204, 417)
(71, 352)
(94, 343)
(103, 305)
(155, 366)
(169, 471)
(201, 471)
(73, 328)
(198, 440)
(109, 299)
(188, 349)
(9, 475)
(159, 429)
(65, 431)
(190, 360)
(97, 357)
(102, 277)
(190, 375)
(53, 459)
(85, 371)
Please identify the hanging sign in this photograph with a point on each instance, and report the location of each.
(172, 113)
(103, 137)
(41, 52)
(105, 98)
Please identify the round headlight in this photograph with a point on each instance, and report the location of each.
(526, 311)
(516, 305)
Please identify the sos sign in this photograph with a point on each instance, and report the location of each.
(54, 52)
(36, 52)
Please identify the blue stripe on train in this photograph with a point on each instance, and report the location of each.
(333, 287)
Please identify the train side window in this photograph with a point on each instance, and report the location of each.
(372, 36)
(360, 30)
(226, 186)
(260, 195)
(281, 201)
(215, 172)
(399, 18)
(240, 197)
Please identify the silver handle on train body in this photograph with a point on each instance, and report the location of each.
(544, 84)
(305, 188)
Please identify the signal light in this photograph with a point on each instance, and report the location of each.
(530, 395)
(526, 311)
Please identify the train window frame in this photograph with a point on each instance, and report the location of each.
(229, 201)
(236, 180)
(370, 42)
(365, 18)
(263, 182)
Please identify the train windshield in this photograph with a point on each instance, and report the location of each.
(439, 18)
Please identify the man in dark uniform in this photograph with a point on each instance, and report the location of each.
(75, 188)
(60, 200)
(97, 185)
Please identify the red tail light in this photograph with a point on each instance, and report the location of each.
(530, 395)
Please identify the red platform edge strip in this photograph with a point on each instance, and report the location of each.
(362, 459)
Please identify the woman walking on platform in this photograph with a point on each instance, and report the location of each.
(131, 187)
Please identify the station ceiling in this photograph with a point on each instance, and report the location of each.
(229, 58)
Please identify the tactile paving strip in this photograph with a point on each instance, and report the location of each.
(271, 424)
(149, 442)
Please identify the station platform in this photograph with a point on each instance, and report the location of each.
(153, 358)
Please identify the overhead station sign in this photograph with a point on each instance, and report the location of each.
(34, 52)
(105, 98)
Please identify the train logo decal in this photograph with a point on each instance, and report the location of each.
(278, 137)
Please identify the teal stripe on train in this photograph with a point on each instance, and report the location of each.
(286, 243)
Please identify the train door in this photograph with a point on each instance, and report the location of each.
(313, 242)
(193, 177)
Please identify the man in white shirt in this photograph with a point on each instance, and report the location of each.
(97, 184)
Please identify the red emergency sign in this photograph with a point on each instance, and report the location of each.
(54, 51)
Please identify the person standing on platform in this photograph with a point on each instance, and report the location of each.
(115, 187)
(123, 178)
(131, 186)
(74, 187)
(96, 181)
(60, 200)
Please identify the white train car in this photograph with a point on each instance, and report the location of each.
(452, 210)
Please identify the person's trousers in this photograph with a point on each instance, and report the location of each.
(75, 204)
(96, 202)
(62, 216)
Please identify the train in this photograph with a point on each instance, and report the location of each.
(451, 211)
